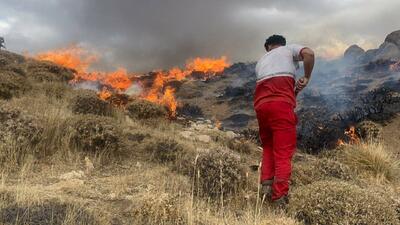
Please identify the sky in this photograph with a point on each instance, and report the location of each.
(153, 34)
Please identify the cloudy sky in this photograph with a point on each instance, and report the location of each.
(148, 34)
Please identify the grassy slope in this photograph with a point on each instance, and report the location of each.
(137, 187)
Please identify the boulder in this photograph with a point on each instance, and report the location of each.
(394, 38)
(387, 51)
(354, 52)
(204, 138)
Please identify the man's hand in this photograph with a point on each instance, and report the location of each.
(301, 84)
(308, 58)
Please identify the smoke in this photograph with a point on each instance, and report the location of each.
(144, 35)
(134, 90)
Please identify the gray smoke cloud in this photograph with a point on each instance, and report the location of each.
(145, 35)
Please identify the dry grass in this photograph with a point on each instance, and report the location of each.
(317, 169)
(328, 202)
(371, 159)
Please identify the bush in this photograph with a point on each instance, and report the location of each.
(44, 71)
(158, 208)
(164, 150)
(12, 84)
(217, 173)
(142, 109)
(93, 133)
(49, 212)
(328, 202)
(371, 159)
(87, 102)
(369, 130)
(241, 145)
(314, 170)
(17, 126)
(55, 89)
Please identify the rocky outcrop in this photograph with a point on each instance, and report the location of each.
(353, 52)
(387, 51)
(394, 38)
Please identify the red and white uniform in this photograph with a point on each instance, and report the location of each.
(274, 103)
(276, 75)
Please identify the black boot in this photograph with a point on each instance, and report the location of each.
(266, 190)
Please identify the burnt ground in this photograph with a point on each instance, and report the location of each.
(340, 94)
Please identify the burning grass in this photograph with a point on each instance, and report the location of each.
(331, 202)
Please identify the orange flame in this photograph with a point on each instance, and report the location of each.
(208, 65)
(104, 94)
(352, 135)
(77, 58)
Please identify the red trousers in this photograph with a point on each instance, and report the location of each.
(277, 123)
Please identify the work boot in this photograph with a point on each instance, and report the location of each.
(266, 189)
(281, 203)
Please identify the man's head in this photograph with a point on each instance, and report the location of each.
(274, 41)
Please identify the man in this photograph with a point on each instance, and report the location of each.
(274, 103)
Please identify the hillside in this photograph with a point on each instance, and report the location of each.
(68, 157)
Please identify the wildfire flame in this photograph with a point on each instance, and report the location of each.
(352, 135)
(119, 81)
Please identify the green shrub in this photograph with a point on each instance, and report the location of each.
(163, 150)
(142, 109)
(216, 173)
(12, 84)
(329, 202)
(87, 102)
(17, 126)
(315, 169)
(93, 133)
(43, 71)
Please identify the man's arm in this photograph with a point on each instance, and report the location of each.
(308, 59)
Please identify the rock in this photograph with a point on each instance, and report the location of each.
(354, 52)
(186, 134)
(369, 130)
(387, 51)
(201, 127)
(230, 134)
(89, 165)
(73, 175)
(394, 38)
(204, 138)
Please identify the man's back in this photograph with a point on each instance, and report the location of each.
(276, 75)
(279, 61)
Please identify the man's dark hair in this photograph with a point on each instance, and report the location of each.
(275, 40)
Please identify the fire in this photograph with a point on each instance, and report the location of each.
(73, 57)
(120, 81)
(352, 135)
(208, 65)
(104, 94)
